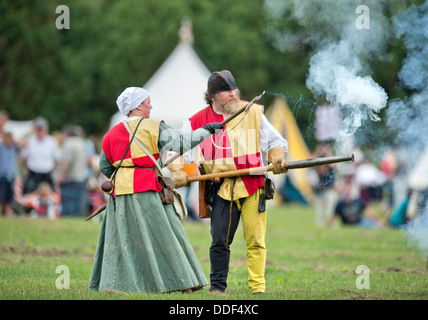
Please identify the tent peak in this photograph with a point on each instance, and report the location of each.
(186, 31)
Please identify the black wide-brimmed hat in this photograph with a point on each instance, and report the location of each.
(220, 81)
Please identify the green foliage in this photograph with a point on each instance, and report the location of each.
(76, 75)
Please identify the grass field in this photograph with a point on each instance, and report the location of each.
(303, 262)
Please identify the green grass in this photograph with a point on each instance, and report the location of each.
(303, 262)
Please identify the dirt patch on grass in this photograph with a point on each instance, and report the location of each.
(15, 251)
(11, 261)
(25, 249)
(413, 270)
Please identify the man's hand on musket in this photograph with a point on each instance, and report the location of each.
(276, 156)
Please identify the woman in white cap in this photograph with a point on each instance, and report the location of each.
(142, 245)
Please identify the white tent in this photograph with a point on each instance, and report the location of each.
(19, 129)
(177, 88)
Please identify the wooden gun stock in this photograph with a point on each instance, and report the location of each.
(204, 207)
(307, 163)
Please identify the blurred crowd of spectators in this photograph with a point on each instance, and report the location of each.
(48, 174)
(368, 194)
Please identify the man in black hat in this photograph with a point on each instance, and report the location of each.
(222, 88)
(247, 141)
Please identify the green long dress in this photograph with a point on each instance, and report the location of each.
(142, 245)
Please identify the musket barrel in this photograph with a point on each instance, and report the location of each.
(307, 163)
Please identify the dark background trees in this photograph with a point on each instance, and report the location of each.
(75, 75)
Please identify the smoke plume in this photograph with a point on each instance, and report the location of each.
(416, 231)
(341, 52)
(336, 73)
(409, 116)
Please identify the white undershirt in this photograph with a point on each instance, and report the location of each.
(41, 155)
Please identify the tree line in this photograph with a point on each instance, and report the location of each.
(75, 75)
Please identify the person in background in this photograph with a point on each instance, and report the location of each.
(398, 217)
(43, 202)
(388, 166)
(353, 211)
(323, 185)
(40, 156)
(91, 153)
(4, 118)
(71, 176)
(97, 197)
(8, 164)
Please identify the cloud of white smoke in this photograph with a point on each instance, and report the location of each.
(339, 67)
(409, 116)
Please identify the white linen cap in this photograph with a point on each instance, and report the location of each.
(130, 99)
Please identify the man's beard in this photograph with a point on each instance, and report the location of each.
(232, 105)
